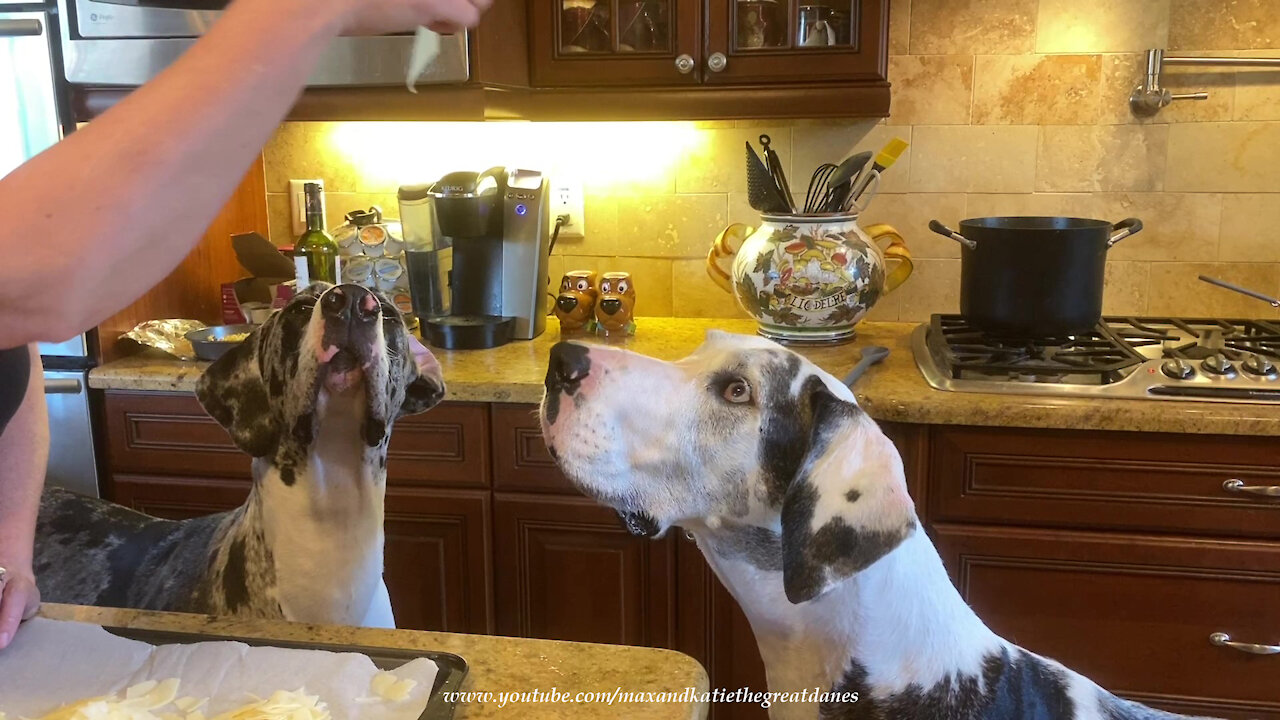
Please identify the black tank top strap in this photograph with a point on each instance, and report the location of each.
(15, 374)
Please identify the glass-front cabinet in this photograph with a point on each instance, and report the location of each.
(730, 42)
(607, 42)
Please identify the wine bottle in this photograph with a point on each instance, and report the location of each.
(315, 244)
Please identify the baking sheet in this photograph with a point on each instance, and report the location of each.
(53, 662)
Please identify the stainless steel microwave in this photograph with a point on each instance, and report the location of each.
(127, 42)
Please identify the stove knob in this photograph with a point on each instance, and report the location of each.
(1218, 365)
(1177, 368)
(1258, 365)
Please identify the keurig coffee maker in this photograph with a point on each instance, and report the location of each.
(495, 226)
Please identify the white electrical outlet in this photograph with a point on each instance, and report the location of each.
(298, 203)
(566, 199)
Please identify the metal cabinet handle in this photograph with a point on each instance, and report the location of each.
(1238, 486)
(684, 64)
(28, 27)
(717, 62)
(62, 387)
(1224, 640)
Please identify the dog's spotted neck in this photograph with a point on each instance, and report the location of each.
(323, 532)
(880, 619)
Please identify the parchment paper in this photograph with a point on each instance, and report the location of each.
(52, 663)
(426, 47)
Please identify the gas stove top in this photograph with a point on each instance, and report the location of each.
(1205, 359)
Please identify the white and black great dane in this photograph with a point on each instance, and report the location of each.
(800, 505)
(311, 396)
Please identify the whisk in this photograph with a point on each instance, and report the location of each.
(817, 193)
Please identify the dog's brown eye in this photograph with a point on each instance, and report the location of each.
(738, 391)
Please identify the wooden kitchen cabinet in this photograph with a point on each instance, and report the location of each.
(567, 570)
(678, 59)
(1132, 612)
(1115, 553)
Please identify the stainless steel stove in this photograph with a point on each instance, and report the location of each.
(1204, 359)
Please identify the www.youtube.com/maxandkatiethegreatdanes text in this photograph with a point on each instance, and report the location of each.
(618, 696)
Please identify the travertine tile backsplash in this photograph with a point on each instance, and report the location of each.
(1010, 106)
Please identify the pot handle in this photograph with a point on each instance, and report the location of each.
(896, 250)
(947, 232)
(1123, 229)
(722, 249)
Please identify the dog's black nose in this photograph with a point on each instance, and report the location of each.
(569, 363)
(345, 301)
(611, 305)
(567, 303)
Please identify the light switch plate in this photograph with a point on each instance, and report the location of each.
(298, 203)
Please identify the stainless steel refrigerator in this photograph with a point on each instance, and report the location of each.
(32, 118)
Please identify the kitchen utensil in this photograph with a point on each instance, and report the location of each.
(885, 159)
(212, 343)
(839, 184)
(871, 355)
(762, 191)
(775, 169)
(813, 26)
(1034, 277)
(452, 668)
(818, 187)
(808, 279)
(1243, 291)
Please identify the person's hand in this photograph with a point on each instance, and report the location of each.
(375, 17)
(19, 600)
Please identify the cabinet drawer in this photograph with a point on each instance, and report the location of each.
(178, 498)
(168, 433)
(447, 445)
(1144, 482)
(1132, 612)
(520, 457)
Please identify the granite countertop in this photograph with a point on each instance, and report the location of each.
(496, 664)
(892, 391)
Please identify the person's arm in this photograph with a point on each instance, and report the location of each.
(109, 211)
(24, 451)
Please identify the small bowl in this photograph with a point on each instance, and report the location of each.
(212, 343)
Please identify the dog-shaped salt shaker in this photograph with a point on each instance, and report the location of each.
(615, 310)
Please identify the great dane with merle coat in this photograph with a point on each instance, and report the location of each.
(800, 505)
(311, 396)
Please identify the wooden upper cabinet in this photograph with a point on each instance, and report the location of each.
(795, 41)
(754, 45)
(585, 43)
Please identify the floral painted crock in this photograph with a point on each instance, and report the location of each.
(809, 279)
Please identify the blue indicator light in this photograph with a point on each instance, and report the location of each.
(521, 209)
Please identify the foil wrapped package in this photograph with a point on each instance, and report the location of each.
(167, 335)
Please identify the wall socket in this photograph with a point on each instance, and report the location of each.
(566, 199)
(298, 203)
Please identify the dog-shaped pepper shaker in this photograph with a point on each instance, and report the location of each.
(576, 303)
(615, 310)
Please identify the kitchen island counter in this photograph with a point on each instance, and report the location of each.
(893, 391)
(496, 664)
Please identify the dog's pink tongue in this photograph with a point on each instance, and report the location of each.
(326, 354)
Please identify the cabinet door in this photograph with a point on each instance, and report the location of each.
(438, 560)
(607, 43)
(566, 570)
(1134, 613)
(796, 41)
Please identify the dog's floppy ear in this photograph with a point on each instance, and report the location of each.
(422, 394)
(848, 505)
(233, 393)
